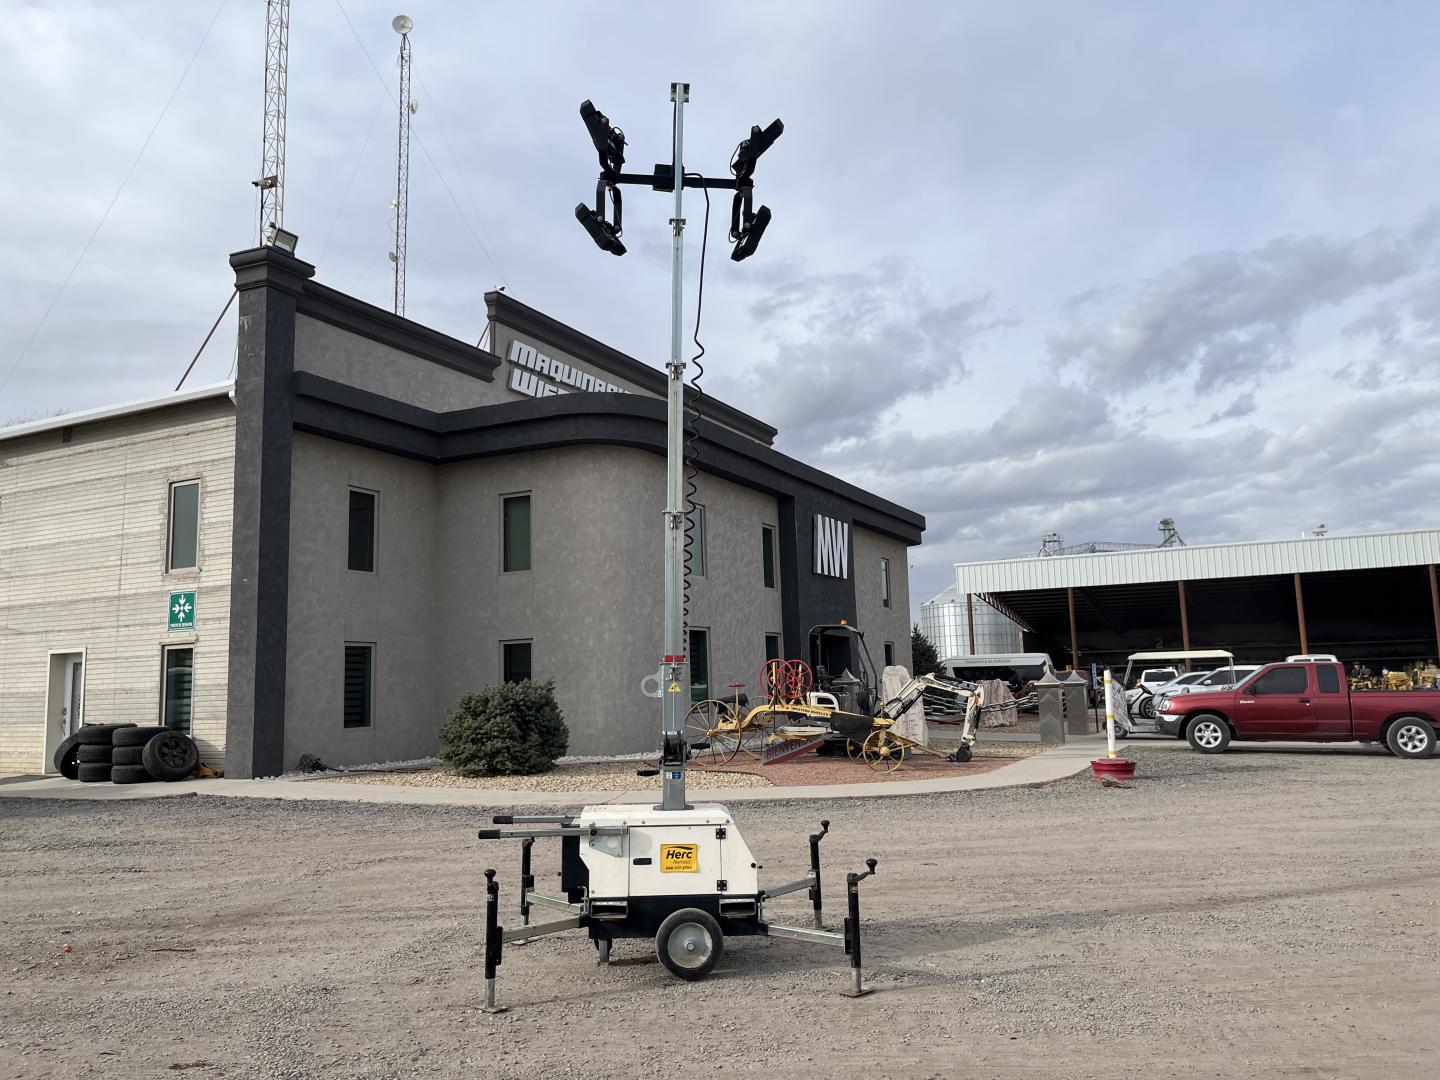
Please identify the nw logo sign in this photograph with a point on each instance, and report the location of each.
(832, 547)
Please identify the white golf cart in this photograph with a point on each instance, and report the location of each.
(1142, 698)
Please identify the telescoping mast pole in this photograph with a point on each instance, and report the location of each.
(677, 669)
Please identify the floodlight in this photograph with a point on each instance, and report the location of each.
(749, 151)
(402, 24)
(605, 235)
(755, 226)
(609, 140)
(284, 240)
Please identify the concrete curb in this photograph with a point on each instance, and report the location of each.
(1046, 768)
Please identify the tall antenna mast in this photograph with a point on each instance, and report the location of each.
(272, 156)
(402, 25)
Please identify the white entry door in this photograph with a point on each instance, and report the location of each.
(71, 715)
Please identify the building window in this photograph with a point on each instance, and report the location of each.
(772, 646)
(695, 540)
(889, 654)
(515, 512)
(515, 657)
(884, 582)
(184, 543)
(359, 685)
(362, 530)
(767, 554)
(699, 665)
(177, 689)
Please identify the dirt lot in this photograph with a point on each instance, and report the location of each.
(1258, 914)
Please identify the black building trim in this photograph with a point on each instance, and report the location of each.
(327, 305)
(325, 407)
(509, 312)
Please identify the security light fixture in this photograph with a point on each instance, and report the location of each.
(609, 140)
(283, 239)
(402, 24)
(749, 237)
(749, 151)
(605, 235)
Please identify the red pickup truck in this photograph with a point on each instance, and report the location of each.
(1306, 702)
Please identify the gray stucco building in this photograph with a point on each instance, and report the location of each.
(376, 518)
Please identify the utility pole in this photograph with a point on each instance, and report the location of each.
(671, 681)
(402, 25)
(271, 184)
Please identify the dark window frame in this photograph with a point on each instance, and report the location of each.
(374, 497)
(165, 653)
(704, 632)
(699, 553)
(889, 653)
(505, 503)
(768, 576)
(505, 669)
(884, 582)
(779, 647)
(170, 523)
(368, 648)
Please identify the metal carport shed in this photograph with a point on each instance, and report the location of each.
(1368, 598)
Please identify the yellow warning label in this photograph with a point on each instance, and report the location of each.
(679, 858)
(674, 688)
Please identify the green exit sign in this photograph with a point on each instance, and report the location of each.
(182, 610)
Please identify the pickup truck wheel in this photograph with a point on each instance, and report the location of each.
(1208, 734)
(1411, 737)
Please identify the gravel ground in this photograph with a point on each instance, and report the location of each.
(1253, 915)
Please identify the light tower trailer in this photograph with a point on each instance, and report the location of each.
(683, 877)
(679, 872)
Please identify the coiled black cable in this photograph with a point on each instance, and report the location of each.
(691, 421)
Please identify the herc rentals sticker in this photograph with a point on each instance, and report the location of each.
(679, 858)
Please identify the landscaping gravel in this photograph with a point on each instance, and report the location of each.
(1256, 914)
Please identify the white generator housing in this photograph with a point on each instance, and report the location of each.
(694, 852)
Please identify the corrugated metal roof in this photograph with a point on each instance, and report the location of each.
(1195, 562)
(110, 412)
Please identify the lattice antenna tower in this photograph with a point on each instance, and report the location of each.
(271, 184)
(402, 25)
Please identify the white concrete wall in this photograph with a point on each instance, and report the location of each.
(83, 529)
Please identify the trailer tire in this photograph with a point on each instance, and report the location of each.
(127, 755)
(67, 757)
(171, 755)
(98, 734)
(93, 754)
(1410, 737)
(135, 736)
(131, 774)
(1208, 733)
(689, 943)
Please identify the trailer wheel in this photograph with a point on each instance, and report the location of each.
(689, 943)
(1208, 734)
(1411, 737)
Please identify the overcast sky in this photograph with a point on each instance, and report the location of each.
(1033, 266)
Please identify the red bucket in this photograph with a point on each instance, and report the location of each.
(1120, 768)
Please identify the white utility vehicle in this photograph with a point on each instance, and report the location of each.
(1141, 701)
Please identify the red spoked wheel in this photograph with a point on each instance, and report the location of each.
(786, 680)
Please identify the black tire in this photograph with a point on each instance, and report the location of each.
(99, 734)
(689, 943)
(134, 736)
(170, 756)
(94, 754)
(127, 755)
(1147, 707)
(963, 753)
(131, 774)
(1411, 737)
(88, 773)
(1207, 733)
(67, 756)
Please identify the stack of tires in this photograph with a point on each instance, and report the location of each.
(126, 754)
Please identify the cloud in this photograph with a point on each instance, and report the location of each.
(1230, 318)
(846, 346)
(1242, 406)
